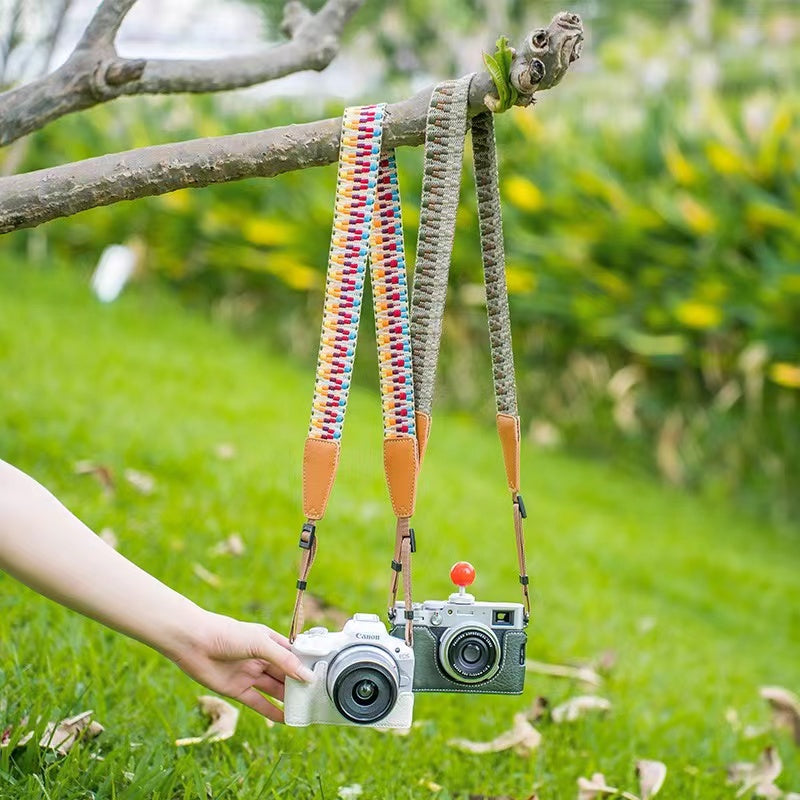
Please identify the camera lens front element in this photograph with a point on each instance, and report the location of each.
(470, 653)
(363, 683)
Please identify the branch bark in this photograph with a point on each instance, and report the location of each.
(94, 73)
(32, 198)
(35, 197)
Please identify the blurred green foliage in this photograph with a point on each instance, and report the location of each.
(652, 237)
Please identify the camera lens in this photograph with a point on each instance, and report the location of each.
(363, 683)
(364, 692)
(470, 654)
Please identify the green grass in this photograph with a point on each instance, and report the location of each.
(700, 605)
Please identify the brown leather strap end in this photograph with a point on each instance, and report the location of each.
(401, 465)
(508, 429)
(320, 459)
(423, 423)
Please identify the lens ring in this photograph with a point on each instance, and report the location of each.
(470, 654)
(364, 693)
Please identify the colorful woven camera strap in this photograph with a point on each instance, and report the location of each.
(445, 134)
(367, 229)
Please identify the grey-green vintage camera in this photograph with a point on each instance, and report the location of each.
(461, 645)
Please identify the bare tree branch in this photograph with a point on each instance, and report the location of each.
(94, 73)
(36, 197)
(103, 26)
(32, 198)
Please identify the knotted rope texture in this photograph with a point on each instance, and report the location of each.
(445, 135)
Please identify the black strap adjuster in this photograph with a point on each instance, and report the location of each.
(311, 529)
(408, 614)
(521, 505)
(301, 585)
(413, 537)
(523, 579)
(397, 566)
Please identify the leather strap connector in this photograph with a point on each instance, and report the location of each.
(400, 465)
(508, 430)
(308, 535)
(397, 566)
(320, 459)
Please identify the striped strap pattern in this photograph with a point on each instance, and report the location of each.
(367, 226)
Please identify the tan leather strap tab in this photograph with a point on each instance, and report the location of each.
(320, 459)
(401, 466)
(423, 424)
(508, 429)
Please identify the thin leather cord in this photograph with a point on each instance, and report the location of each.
(306, 563)
(401, 563)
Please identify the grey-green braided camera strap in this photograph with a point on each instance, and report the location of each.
(444, 151)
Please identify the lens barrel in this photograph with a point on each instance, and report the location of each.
(469, 653)
(363, 683)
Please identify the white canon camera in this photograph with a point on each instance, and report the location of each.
(363, 676)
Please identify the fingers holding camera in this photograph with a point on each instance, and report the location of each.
(274, 687)
(255, 700)
(282, 660)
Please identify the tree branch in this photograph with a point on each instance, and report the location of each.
(102, 28)
(94, 73)
(33, 198)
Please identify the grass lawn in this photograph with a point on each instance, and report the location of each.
(700, 605)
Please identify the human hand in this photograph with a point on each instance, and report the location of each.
(241, 660)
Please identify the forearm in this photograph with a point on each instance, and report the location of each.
(52, 551)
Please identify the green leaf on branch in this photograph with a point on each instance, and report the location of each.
(499, 67)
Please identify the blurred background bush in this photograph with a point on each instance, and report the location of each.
(651, 223)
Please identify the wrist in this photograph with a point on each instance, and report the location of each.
(185, 632)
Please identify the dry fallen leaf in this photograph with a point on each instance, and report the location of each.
(349, 792)
(523, 738)
(578, 707)
(758, 778)
(141, 481)
(318, 609)
(223, 721)
(651, 776)
(102, 473)
(582, 674)
(594, 787)
(785, 709)
(62, 735)
(232, 546)
(214, 581)
(109, 537)
(5, 735)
